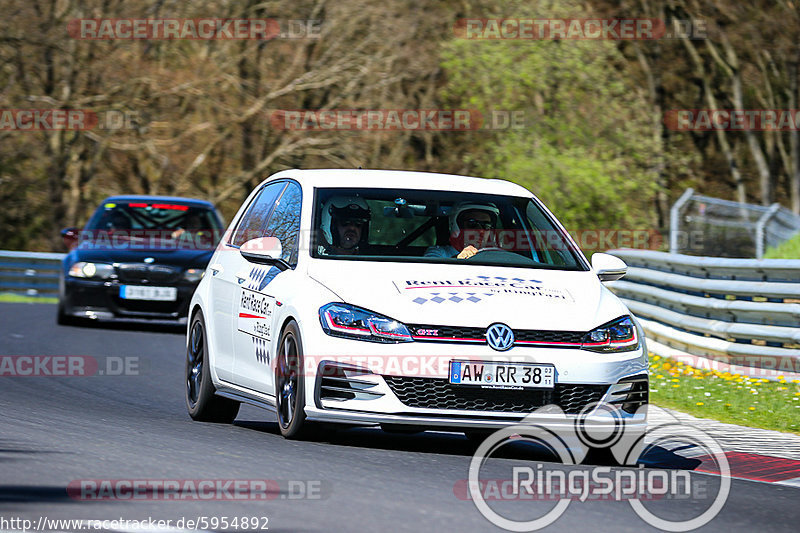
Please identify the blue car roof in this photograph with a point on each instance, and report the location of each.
(150, 199)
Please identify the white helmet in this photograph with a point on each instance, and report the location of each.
(342, 207)
(459, 208)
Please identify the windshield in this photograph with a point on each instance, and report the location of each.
(438, 227)
(159, 219)
(153, 216)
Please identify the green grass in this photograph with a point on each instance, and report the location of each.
(726, 397)
(19, 298)
(788, 250)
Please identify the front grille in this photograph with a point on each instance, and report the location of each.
(447, 332)
(544, 336)
(437, 393)
(422, 332)
(144, 273)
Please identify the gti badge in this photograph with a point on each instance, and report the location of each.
(500, 337)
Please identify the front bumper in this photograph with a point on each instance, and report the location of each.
(101, 300)
(594, 383)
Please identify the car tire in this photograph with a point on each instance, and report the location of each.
(289, 385)
(63, 319)
(201, 399)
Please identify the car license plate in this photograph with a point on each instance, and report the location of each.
(524, 375)
(161, 294)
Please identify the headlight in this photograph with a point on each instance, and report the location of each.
(193, 275)
(343, 320)
(619, 335)
(83, 269)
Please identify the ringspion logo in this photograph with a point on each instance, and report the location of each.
(604, 427)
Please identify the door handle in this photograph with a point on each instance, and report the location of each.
(216, 268)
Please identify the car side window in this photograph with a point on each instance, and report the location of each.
(251, 224)
(284, 223)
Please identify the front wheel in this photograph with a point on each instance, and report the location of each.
(289, 384)
(201, 400)
(63, 319)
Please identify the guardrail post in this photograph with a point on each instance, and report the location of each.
(674, 219)
(760, 225)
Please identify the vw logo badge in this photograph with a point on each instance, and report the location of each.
(500, 337)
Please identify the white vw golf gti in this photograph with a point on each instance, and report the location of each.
(411, 301)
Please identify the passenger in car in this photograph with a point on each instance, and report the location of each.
(345, 225)
(470, 217)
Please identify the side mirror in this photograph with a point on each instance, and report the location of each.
(608, 267)
(264, 251)
(70, 237)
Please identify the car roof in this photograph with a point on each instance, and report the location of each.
(151, 198)
(401, 179)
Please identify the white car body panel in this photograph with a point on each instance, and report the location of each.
(522, 298)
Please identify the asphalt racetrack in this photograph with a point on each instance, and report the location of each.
(56, 432)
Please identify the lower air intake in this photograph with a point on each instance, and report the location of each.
(438, 393)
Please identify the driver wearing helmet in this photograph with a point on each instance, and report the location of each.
(344, 225)
(467, 219)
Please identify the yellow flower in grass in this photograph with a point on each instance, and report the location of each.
(666, 366)
(675, 386)
(699, 403)
(751, 408)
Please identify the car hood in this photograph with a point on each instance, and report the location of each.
(181, 257)
(472, 295)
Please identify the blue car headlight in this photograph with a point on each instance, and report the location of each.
(344, 320)
(619, 335)
(83, 269)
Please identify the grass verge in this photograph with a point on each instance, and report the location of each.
(19, 298)
(726, 397)
(788, 250)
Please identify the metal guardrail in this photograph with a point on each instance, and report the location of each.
(732, 228)
(740, 311)
(30, 273)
